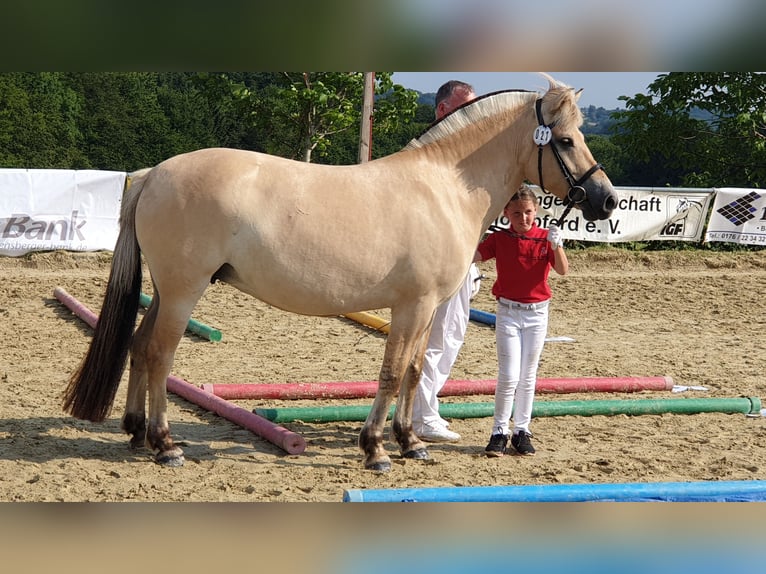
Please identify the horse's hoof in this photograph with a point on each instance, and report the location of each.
(137, 442)
(417, 454)
(382, 466)
(169, 458)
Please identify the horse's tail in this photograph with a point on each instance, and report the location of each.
(92, 388)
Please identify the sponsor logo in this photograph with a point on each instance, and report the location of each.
(22, 226)
(741, 210)
(686, 220)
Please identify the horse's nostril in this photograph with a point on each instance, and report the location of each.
(610, 203)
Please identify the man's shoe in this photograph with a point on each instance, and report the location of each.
(522, 444)
(434, 432)
(497, 444)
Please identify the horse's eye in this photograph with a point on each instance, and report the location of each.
(568, 142)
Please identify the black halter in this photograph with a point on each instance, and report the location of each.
(542, 137)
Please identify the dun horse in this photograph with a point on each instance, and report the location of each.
(398, 232)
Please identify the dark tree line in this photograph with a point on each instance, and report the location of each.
(126, 121)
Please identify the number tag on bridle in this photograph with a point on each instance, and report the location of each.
(542, 135)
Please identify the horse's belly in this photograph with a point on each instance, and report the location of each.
(320, 294)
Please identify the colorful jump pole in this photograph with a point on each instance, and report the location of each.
(373, 321)
(288, 441)
(367, 389)
(482, 317)
(279, 436)
(746, 405)
(713, 491)
(205, 331)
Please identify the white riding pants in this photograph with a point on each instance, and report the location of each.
(447, 336)
(520, 331)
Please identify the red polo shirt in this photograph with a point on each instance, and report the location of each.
(522, 262)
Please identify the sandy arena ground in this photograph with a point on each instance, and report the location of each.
(697, 317)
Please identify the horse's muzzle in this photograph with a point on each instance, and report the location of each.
(599, 204)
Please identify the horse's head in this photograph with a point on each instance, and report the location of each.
(561, 162)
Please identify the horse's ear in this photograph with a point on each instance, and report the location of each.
(578, 93)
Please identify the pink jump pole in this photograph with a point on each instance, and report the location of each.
(287, 440)
(367, 389)
(76, 307)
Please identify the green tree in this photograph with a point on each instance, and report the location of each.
(306, 111)
(385, 141)
(228, 104)
(123, 125)
(704, 128)
(39, 122)
(187, 111)
(608, 154)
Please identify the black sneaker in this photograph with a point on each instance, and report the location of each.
(522, 444)
(497, 444)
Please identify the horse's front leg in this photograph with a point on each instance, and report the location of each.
(371, 435)
(410, 444)
(407, 330)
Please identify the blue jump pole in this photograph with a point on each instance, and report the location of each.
(482, 317)
(706, 491)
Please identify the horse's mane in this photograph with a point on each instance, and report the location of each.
(491, 104)
(482, 107)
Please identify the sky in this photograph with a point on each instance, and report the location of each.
(600, 89)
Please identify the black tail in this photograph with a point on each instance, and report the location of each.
(92, 388)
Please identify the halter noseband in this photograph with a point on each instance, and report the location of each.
(543, 136)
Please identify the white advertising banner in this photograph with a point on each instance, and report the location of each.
(49, 209)
(739, 216)
(642, 214)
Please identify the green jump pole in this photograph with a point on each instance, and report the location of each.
(194, 326)
(746, 405)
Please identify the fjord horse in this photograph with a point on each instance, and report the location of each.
(310, 239)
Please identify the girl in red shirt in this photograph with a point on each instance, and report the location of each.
(524, 255)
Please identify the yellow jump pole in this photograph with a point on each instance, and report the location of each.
(377, 323)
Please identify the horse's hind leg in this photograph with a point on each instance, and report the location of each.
(172, 316)
(134, 419)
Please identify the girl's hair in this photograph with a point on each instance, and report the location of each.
(524, 193)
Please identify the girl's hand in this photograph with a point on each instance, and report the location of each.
(554, 236)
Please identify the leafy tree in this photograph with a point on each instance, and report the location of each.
(123, 125)
(227, 105)
(39, 122)
(125, 121)
(597, 120)
(706, 128)
(188, 112)
(308, 110)
(608, 154)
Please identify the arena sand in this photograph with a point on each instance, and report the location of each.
(695, 316)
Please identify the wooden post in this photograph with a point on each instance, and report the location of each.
(365, 129)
